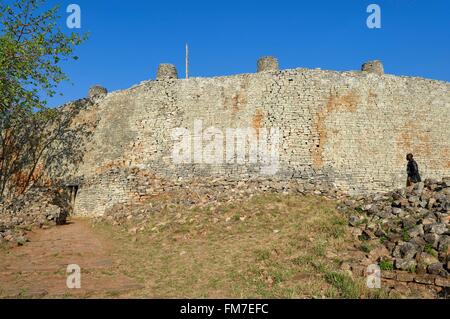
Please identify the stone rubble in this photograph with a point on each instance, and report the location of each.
(160, 194)
(411, 226)
(39, 207)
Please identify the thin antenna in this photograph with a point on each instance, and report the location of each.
(187, 61)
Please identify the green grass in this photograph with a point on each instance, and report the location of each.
(262, 254)
(387, 265)
(383, 239)
(412, 269)
(365, 247)
(430, 250)
(405, 235)
(344, 284)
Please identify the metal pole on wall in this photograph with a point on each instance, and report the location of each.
(187, 61)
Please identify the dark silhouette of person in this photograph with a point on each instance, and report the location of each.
(413, 171)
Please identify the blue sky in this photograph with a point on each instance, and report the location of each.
(130, 38)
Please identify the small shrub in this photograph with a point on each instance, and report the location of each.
(405, 235)
(429, 250)
(412, 269)
(386, 265)
(383, 239)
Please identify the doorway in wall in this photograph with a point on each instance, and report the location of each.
(73, 191)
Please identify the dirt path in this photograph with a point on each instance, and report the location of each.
(38, 269)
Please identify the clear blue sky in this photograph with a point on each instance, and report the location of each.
(130, 38)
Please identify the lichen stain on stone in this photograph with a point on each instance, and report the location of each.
(447, 156)
(335, 103)
(436, 163)
(413, 139)
(237, 100)
(23, 179)
(257, 121)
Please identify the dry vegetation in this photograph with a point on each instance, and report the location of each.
(271, 246)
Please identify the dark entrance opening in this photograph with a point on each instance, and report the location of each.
(73, 190)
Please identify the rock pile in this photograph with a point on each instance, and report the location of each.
(38, 207)
(411, 223)
(97, 92)
(159, 194)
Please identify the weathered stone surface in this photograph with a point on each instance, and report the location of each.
(166, 71)
(444, 243)
(425, 279)
(408, 250)
(416, 238)
(443, 282)
(432, 239)
(427, 259)
(267, 63)
(409, 223)
(388, 274)
(437, 269)
(405, 264)
(97, 92)
(406, 277)
(417, 231)
(373, 67)
(32, 209)
(439, 228)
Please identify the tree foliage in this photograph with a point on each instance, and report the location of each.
(32, 47)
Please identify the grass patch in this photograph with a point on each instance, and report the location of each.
(365, 247)
(412, 269)
(262, 254)
(387, 265)
(344, 284)
(405, 235)
(430, 250)
(383, 239)
(268, 246)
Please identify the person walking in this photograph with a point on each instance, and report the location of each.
(413, 171)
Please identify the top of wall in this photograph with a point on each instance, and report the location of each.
(286, 72)
(314, 73)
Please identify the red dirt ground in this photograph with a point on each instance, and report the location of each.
(38, 269)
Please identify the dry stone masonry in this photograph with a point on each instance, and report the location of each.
(407, 233)
(40, 207)
(166, 71)
(350, 129)
(267, 63)
(373, 67)
(97, 92)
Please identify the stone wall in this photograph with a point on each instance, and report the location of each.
(349, 128)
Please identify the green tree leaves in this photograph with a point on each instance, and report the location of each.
(32, 47)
